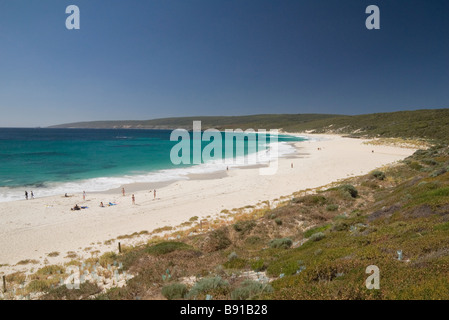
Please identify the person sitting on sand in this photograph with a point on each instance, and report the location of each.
(75, 208)
(101, 204)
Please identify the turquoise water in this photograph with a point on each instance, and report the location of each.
(55, 161)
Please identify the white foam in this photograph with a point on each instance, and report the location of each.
(107, 183)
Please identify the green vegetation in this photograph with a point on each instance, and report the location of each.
(250, 290)
(85, 291)
(284, 243)
(244, 226)
(242, 122)
(167, 247)
(321, 251)
(317, 236)
(379, 175)
(419, 124)
(175, 291)
(213, 286)
(332, 207)
(315, 230)
(258, 265)
(236, 263)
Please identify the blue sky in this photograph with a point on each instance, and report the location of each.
(139, 59)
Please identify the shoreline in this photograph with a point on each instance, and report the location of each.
(33, 229)
(138, 182)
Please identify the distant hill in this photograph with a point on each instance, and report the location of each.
(427, 124)
(263, 121)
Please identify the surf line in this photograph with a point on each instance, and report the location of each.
(213, 151)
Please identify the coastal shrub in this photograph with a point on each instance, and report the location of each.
(27, 261)
(16, 277)
(53, 254)
(244, 226)
(253, 240)
(50, 270)
(107, 258)
(208, 285)
(438, 172)
(236, 263)
(175, 291)
(232, 256)
(40, 285)
(415, 165)
(283, 243)
(317, 236)
(85, 291)
(379, 175)
(341, 226)
(311, 200)
(217, 240)
(429, 162)
(258, 265)
(167, 247)
(278, 221)
(332, 207)
(442, 226)
(250, 289)
(349, 188)
(311, 231)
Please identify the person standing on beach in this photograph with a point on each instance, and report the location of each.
(32, 195)
(154, 193)
(26, 195)
(84, 195)
(134, 199)
(123, 191)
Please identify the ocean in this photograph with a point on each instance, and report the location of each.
(58, 161)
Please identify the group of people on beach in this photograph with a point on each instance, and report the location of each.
(31, 195)
(133, 197)
(76, 207)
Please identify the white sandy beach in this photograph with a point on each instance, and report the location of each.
(32, 229)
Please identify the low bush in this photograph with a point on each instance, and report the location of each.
(284, 243)
(332, 207)
(258, 265)
(167, 247)
(244, 226)
(209, 285)
(311, 231)
(317, 236)
(250, 289)
(349, 188)
(175, 291)
(379, 175)
(310, 200)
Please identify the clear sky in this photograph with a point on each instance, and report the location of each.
(145, 59)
